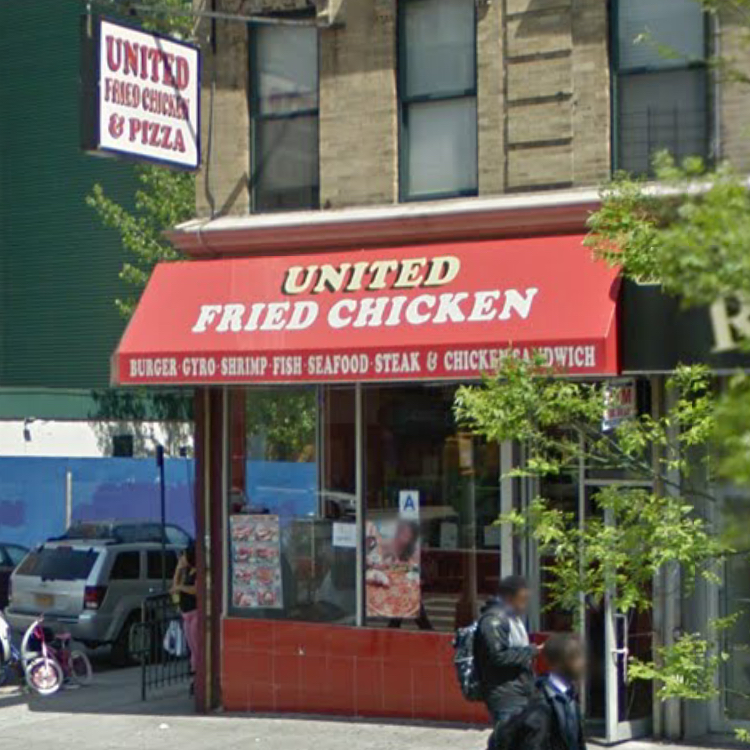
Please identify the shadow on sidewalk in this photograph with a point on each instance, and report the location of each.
(118, 692)
(111, 692)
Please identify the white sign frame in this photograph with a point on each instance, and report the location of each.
(126, 121)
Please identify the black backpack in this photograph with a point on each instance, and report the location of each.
(465, 662)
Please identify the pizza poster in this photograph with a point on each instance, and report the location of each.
(392, 572)
(256, 562)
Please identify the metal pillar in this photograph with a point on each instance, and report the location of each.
(506, 506)
(162, 516)
(359, 458)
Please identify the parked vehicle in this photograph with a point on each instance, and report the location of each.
(128, 531)
(49, 660)
(10, 556)
(93, 586)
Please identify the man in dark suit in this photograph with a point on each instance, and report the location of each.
(552, 719)
(567, 663)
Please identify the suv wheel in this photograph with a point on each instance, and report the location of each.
(121, 655)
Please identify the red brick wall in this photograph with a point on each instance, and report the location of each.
(275, 666)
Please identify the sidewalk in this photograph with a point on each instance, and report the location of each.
(110, 716)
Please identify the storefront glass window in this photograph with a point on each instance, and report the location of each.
(431, 548)
(283, 563)
(432, 497)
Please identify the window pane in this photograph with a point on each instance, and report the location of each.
(59, 563)
(442, 147)
(302, 564)
(430, 564)
(661, 111)
(289, 539)
(439, 46)
(674, 32)
(337, 589)
(127, 567)
(16, 554)
(286, 167)
(287, 69)
(153, 564)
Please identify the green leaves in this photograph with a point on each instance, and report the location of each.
(165, 198)
(642, 534)
(172, 17)
(690, 234)
(685, 669)
(282, 421)
(526, 402)
(559, 420)
(689, 231)
(632, 532)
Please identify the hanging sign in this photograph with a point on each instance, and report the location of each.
(141, 95)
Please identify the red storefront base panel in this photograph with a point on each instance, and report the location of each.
(276, 666)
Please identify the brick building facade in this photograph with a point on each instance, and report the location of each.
(545, 111)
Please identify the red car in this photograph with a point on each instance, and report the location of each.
(10, 556)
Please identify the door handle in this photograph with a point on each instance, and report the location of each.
(622, 650)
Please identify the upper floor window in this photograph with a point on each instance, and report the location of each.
(438, 96)
(661, 94)
(284, 111)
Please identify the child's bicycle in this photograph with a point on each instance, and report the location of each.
(49, 661)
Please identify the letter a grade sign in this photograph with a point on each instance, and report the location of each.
(408, 504)
(141, 95)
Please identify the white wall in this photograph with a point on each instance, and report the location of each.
(77, 439)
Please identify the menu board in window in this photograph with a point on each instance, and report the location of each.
(256, 562)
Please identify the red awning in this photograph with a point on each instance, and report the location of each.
(408, 313)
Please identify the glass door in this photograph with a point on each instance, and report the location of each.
(616, 707)
(620, 707)
(732, 710)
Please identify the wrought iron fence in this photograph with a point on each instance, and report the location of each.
(158, 642)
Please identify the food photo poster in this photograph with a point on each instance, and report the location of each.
(256, 562)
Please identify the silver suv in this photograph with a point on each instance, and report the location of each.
(94, 587)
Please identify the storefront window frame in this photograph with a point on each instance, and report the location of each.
(508, 491)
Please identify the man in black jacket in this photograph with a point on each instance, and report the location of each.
(505, 659)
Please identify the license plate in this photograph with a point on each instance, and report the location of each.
(44, 600)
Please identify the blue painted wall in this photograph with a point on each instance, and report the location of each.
(32, 492)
